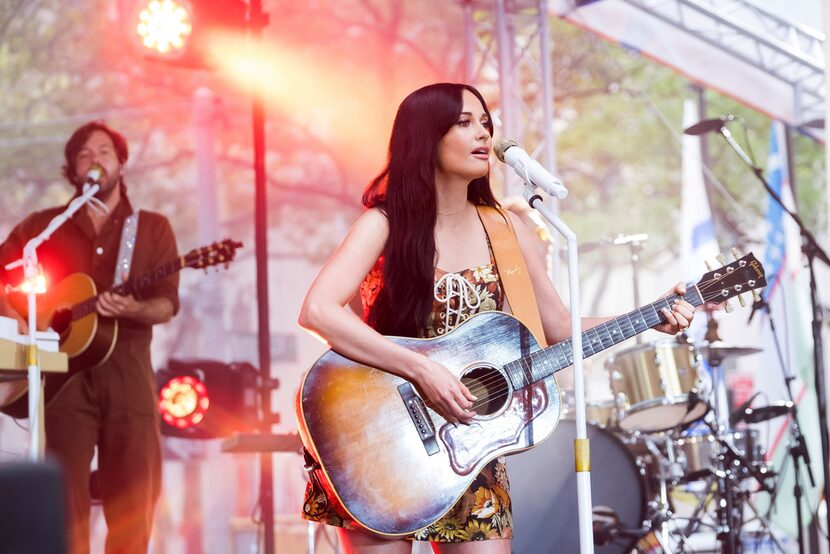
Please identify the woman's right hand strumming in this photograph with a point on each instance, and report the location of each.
(445, 392)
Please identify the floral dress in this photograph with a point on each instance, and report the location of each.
(483, 511)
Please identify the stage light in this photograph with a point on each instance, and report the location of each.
(204, 399)
(183, 402)
(164, 26)
(180, 32)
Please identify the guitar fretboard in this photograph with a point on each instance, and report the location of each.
(131, 286)
(544, 363)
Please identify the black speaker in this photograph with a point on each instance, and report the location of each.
(32, 512)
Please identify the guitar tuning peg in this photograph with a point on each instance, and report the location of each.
(741, 300)
(721, 259)
(728, 307)
(736, 254)
(756, 296)
(709, 265)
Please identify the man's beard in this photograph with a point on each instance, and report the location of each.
(108, 186)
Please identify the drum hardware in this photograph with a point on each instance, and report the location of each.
(730, 465)
(723, 459)
(726, 484)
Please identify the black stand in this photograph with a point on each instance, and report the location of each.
(812, 250)
(798, 446)
(257, 19)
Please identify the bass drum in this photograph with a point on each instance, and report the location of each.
(544, 497)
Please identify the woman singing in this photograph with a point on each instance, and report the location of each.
(422, 263)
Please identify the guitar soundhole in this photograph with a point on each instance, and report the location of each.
(489, 386)
(61, 320)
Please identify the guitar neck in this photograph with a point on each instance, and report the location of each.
(131, 285)
(544, 363)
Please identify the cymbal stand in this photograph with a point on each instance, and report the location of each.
(660, 510)
(664, 512)
(636, 244)
(725, 501)
(765, 524)
(695, 519)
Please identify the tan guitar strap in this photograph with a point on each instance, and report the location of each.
(126, 249)
(515, 280)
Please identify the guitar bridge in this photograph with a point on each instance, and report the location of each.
(417, 411)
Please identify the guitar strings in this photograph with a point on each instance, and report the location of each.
(500, 388)
(486, 383)
(402, 426)
(703, 286)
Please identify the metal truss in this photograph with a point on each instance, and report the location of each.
(790, 52)
(508, 57)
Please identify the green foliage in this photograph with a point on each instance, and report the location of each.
(618, 117)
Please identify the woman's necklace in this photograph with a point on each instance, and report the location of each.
(453, 213)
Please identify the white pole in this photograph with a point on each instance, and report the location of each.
(581, 446)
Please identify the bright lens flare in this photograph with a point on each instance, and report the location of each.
(164, 26)
(183, 401)
(38, 283)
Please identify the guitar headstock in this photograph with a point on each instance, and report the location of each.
(213, 254)
(745, 274)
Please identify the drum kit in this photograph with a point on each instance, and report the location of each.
(661, 438)
(671, 470)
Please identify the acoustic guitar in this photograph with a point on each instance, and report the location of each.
(397, 466)
(88, 338)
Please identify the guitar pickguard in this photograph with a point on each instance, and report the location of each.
(467, 445)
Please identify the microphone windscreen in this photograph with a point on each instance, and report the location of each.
(501, 146)
(708, 125)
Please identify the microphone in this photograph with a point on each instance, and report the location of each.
(709, 125)
(759, 415)
(757, 306)
(739, 414)
(529, 169)
(94, 174)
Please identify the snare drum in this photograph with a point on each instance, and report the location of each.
(658, 386)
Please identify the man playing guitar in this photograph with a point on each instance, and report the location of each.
(112, 405)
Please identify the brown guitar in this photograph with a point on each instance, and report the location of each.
(87, 338)
(397, 466)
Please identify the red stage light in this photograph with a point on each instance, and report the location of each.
(164, 26)
(183, 401)
(205, 399)
(180, 32)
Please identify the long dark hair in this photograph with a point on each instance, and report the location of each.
(405, 192)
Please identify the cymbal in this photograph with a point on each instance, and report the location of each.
(722, 350)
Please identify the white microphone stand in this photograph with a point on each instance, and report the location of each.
(30, 272)
(581, 446)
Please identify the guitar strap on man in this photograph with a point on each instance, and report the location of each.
(127, 248)
(515, 280)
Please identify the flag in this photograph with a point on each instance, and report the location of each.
(788, 295)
